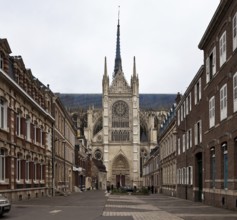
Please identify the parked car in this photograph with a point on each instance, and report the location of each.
(5, 205)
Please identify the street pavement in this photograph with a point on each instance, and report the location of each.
(98, 205)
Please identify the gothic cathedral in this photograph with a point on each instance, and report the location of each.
(120, 134)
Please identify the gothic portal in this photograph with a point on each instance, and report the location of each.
(120, 134)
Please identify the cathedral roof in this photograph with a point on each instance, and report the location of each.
(147, 101)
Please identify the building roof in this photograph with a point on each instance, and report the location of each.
(147, 101)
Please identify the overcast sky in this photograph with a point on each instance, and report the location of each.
(64, 42)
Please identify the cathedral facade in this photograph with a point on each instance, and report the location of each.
(121, 134)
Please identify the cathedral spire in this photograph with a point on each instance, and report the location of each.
(118, 60)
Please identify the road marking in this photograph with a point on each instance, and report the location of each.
(55, 211)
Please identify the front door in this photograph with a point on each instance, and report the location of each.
(120, 180)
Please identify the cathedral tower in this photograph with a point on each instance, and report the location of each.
(121, 126)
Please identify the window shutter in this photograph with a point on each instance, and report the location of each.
(207, 73)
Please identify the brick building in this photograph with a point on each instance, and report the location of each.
(207, 118)
(190, 116)
(25, 129)
(219, 45)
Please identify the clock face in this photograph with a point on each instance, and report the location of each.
(120, 108)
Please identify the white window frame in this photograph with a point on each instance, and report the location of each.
(3, 114)
(223, 102)
(212, 111)
(211, 71)
(234, 29)
(235, 91)
(222, 48)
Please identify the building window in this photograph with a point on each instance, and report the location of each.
(178, 117)
(188, 104)
(41, 171)
(223, 102)
(189, 138)
(2, 165)
(3, 113)
(197, 91)
(18, 124)
(181, 113)
(35, 170)
(190, 175)
(178, 146)
(198, 132)
(235, 31)
(211, 65)
(41, 136)
(235, 91)
(213, 167)
(212, 112)
(27, 170)
(222, 48)
(184, 142)
(225, 164)
(35, 133)
(28, 128)
(18, 168)
(1, 61)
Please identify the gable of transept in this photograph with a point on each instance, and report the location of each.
(119, 84)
